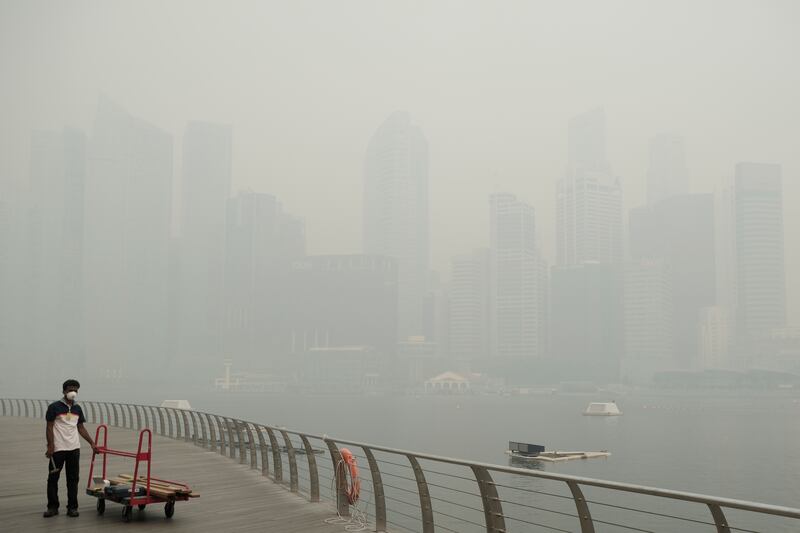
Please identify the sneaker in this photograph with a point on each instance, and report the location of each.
(50, 512)
(73, 513)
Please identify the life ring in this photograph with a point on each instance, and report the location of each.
(348, 468)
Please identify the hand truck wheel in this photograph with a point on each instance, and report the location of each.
(101, 505)
(169, 509)
(127, 511)
(142, 506)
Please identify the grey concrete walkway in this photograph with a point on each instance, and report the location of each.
(233, 497)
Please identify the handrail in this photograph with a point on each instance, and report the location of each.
(229, 436)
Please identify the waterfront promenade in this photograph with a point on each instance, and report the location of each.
(233, 497)
(256, 477)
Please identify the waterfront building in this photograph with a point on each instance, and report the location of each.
(395, 217)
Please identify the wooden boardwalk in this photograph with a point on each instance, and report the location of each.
(233, 497)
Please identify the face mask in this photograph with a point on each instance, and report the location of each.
(71, 395)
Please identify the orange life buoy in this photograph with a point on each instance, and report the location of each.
(349, 468)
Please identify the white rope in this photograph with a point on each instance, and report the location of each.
(358, 520)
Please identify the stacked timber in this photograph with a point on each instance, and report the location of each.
(160, 489)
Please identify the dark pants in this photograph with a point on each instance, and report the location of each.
(69, 461)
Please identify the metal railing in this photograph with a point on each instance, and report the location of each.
(410, 491)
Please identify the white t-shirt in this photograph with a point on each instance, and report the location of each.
(65, 420)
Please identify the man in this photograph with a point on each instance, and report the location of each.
(64, 423)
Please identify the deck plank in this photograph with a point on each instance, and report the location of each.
(233, 497)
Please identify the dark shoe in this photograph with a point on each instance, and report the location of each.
(50, 512)
(73, 513)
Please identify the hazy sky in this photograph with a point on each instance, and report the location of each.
(492, 84)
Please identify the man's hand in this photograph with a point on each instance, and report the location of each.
(50, 451)
(94, 448)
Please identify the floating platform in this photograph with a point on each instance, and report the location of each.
(557, 456)
(602, 409)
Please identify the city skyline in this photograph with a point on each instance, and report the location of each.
(189, 249)
(484, 87)
(671, 258)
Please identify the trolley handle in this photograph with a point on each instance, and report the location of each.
(101, 450)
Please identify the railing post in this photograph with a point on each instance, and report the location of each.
(116, 416)
(242, 449)
(185, 419)
(492, 508)
(231, 442)
(138, 418)
(158, 419)
(147, 419)
(424, 495)
(168, 415)
(177, 422)
(222, 437)
(196, 424)
(264, 453)
(252, 445)
(719, 518)
(164, 423)
(585, 517)
(3, 403)
(293, 482)
(342, 505)
(313, 474)
(377, 489)
(19, 407)
(124, 417)
(277, 462)
(25, 405)
(212, 435)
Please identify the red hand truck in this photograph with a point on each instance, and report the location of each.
(133, 498)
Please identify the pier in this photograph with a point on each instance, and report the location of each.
(256, 477)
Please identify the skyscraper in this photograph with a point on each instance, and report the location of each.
(205, 190)
(127, 237)
(57, 181)
(17, 285)
(648, 320)
(589, 198)
(666, 174)
(262, 242)
(586, 320)
(714, 337)
(395, 221)
(6, 303)
(333, 301)
(519, 280)
(470, 310)
(678, 231)
(759, 249)
(586, 141)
